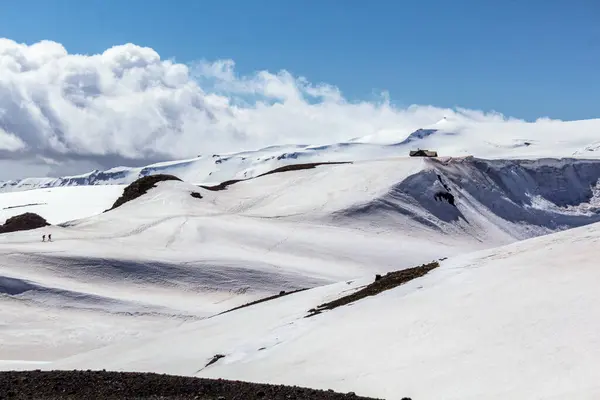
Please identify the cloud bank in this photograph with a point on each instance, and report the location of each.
(127, 106)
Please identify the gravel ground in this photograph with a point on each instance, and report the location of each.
(54, 385)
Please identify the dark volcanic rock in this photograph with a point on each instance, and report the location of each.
(281, 294)
(140, 187)
(23, 222)
(216, 358)
(381, 284)
(449, 197)
(55, 385)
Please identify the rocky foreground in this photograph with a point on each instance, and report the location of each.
(54, 385)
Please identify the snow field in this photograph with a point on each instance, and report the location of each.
(513, 322)
(59, 205)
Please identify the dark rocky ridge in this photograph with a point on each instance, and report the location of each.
(381, 284)
(72, 385)
(23, 222)
(285, 168)
(252, 303)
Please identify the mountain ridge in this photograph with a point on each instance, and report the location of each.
(451, 138)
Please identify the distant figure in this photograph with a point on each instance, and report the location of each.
(49, 237)
(43, 238)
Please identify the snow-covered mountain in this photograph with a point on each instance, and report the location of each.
(451, 138)
(142, 287)
(150, 285)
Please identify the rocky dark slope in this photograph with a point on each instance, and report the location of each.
(140, 187)
(55, 385)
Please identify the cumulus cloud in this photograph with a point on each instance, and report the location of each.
(127, 106)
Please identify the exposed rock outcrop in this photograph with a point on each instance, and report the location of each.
(23, 222)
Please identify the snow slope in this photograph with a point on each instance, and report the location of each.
(162, 259)
(511, 322)
(457, 138)
(498, 201)
(213, 169)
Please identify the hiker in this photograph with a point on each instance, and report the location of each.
(43, 238)
(49, 237)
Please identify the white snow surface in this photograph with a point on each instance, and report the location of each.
(512, 322)
(508, 315)
(58, 205)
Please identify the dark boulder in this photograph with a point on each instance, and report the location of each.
(23, 222)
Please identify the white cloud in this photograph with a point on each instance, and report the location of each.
(128, 106)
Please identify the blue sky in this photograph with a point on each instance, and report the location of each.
(525, 59)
